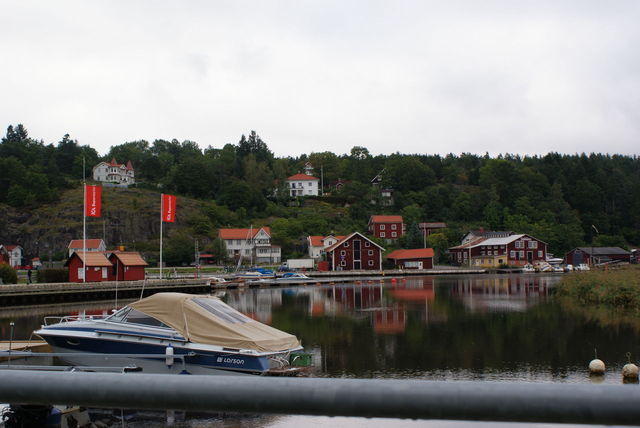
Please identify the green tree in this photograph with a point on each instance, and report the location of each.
(440, 243)
(8, 274)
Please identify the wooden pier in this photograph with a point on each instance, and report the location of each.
(16, 294)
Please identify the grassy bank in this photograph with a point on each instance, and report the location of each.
(615, 288)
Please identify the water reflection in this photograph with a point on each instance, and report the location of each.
(501, 327)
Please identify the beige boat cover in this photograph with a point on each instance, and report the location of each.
(206, 319)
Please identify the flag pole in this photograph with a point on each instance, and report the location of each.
(84, 224)
(161, 210)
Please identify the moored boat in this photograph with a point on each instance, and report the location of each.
(174, 333)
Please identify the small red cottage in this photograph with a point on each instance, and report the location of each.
(97, 267)
(388, 227)
(127, 266)
(355, 252)
(421, 258)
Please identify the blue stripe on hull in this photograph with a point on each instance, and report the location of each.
(214, 360)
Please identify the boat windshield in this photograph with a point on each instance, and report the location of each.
(133, 316)
(222, 311)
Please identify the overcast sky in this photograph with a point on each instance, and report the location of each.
(411, 76)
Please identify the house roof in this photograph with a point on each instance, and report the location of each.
(603, 251)
(504, 240)
(91, 243)
(318, 240)
(241, 233)
(130, 258)
(11, 247)
(468, 244)
(334, 246)
(385, 219)
(419, 253)
(90, 258)
(300, 177)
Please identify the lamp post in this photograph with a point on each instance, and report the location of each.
(591, 259)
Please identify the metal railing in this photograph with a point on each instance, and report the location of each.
(478, 401)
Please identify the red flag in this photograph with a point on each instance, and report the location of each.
(92, 201)
(168, 208)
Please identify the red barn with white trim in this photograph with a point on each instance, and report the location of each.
(355, 252)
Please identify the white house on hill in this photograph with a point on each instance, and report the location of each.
(113, 172)
(304, 184)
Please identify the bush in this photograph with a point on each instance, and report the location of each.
(8, 275)
(53, 275)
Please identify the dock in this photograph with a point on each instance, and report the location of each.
(51, 293)
(23, 345)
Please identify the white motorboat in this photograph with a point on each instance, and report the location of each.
(174, 333)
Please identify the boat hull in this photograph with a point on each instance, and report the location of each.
(195, 361)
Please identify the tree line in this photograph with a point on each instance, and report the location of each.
(558, 198)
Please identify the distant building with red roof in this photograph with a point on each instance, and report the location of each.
(95, 245)
(304, 184)
(317, 244)
(11, 255)
(387, 227)
(114, 172)
(251, 244)
(420, 258)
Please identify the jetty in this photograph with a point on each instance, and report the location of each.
(48, 293)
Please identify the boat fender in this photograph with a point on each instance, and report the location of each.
(169, 353)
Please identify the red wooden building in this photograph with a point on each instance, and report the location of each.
(420, 258)
(355, 252)
(513, 250)
(388, 227)
(97, 267)
(127, 266)
(596, 255)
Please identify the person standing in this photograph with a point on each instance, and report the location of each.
(29, 275)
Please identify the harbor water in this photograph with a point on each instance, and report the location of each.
(466, 327)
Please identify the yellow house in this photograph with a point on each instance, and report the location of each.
(488, 261)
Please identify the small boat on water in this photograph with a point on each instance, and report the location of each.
(528, 269)
(256, 273)
(174, 333)
(212, 280)
(293, 275)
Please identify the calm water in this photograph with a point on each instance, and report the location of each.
(502, 327)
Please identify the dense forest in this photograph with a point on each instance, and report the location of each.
(565, 200)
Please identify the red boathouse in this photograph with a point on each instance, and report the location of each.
(127, 265)
(97, 267)
(420, 258)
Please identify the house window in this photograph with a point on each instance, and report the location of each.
(370, 252)
(343, 263)
(522, 254)
(393, 227)
(104, 273)
(346, 245)
(367, 243)
(482, 253)
(370, 262)
(539, 254)
(512, 254)
(519, 244)
(309, 184)
(533, 244)
(382, 226)
(343, 253)
(394, 234)
(382, 234)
